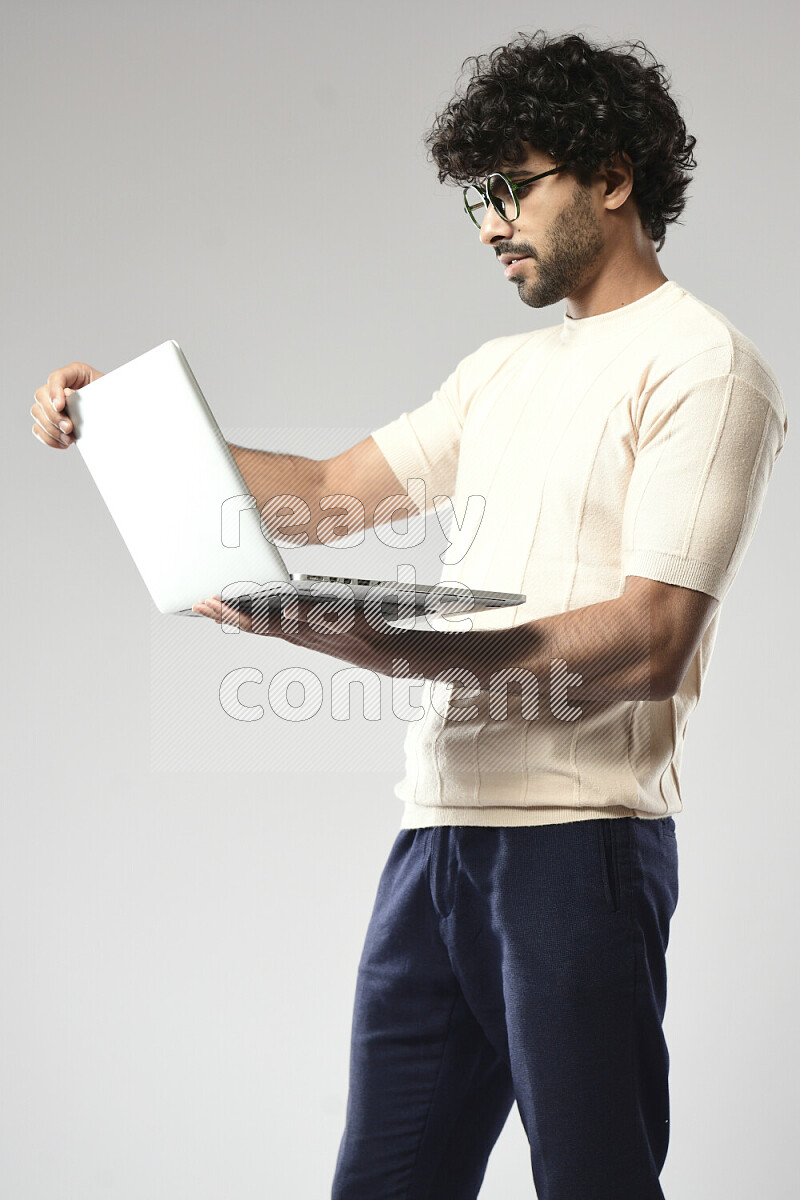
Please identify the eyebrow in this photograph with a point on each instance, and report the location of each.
(521, 172)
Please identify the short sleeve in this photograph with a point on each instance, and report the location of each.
(705, 449)
(424, 443)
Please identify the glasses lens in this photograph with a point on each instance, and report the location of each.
(502, 197)
(475, 204)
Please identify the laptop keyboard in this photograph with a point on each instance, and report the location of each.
(485, 597)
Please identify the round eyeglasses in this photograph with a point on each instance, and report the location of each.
(502, 193)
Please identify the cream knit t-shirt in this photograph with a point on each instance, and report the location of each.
(636, 442)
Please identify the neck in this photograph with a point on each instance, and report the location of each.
(630, 270)
(604, 294)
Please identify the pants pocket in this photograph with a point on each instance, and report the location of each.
(609, 861)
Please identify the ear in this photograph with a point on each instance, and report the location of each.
(618, 171)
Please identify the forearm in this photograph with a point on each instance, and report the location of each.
(269, 475)
(612, 646)
(585, 660)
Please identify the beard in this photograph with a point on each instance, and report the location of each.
(573, 245)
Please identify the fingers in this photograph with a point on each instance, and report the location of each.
(223, 614)
(256, 620)
(75, 376)
(51, 426)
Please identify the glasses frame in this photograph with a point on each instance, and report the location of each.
(513, 187)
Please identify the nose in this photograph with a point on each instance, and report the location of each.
(494, 226)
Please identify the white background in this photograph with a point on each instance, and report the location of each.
(179, 947)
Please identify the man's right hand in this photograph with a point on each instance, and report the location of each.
(52, 425)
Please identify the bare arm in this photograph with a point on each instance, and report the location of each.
(341, 493)
(637, 646)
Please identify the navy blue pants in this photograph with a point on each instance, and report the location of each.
(505, 964)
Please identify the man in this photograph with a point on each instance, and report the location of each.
(517, 946)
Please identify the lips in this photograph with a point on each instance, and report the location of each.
(507, 259)
(514, 267)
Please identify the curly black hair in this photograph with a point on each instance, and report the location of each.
(579, 103)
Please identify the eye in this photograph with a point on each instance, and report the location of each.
(523, 191)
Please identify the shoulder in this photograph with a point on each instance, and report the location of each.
(495, 356)
(710, 346)
(499, 350)
(701, 364)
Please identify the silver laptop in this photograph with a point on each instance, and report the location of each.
(172, 486)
